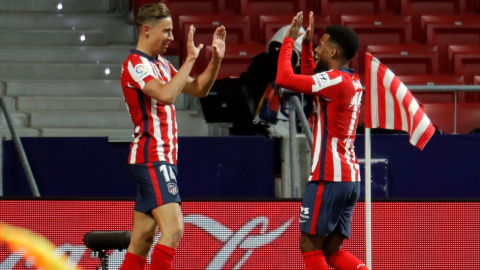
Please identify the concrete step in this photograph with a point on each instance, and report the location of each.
(52, 37)
(109, 54)
(104, 120)
(114, 26)
(50, 71)
(71, 89)
(84, 88)
(53, 6)
(102, 104)
(21, 132)
(86, 132)
(19, 119)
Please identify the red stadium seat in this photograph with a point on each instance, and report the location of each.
(377, 30)
(417, 8)
(433, 97)
(255, 8)
(237, 58)
(465, 60)
(476, 80)
(191, 7)
(443, 30)
(269, 25)
(442, 116)
(411, 59)
(236, 25)
(336, 8)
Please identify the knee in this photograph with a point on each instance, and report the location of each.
(173, 232)
(329, 250)
(310, 242)
(142, 242)
(304, 245)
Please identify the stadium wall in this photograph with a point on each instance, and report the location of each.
(237, 167)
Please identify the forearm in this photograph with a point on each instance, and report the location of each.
(201, 85)
(285, 76)
(307, 60)
(167, 93)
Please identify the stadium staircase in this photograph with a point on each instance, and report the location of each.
(60, 65)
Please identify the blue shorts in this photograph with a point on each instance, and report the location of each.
(157, 185)
(328, 207)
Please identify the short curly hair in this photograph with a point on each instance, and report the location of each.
(151, 12)
(345, 38)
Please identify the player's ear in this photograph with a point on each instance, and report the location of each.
(146, 30)
(333, 52)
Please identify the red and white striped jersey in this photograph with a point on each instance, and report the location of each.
(155, 124)
(336, 107)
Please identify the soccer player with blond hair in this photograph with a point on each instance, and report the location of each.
(150, 85)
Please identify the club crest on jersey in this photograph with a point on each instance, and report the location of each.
(140, 68)
(172, 188)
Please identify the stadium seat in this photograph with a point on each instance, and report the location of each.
(377, 30)
(336, 8)
(476, 80)
(432, 97)
(269, 25)
(417, 8)
(191, 7)
(255, 8)
(236, 25)
(465, 61)
(442, 116)
(411, 59)
(237, 59)
(443, 30)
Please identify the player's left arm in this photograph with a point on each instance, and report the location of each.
(200, 86)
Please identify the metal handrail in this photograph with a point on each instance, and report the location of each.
(296, 108)
(20, 151)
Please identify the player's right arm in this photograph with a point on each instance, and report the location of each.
(166, 93)
(324, 84)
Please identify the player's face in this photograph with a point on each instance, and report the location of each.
(322, 54)
(161, 35)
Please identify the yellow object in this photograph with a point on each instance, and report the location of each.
(36, 247)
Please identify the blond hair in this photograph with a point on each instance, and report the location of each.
(152, 12)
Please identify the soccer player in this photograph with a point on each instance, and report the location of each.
(334, 182)
(150, 86)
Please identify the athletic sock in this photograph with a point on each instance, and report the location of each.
(133, 262)
(315, 260)
(162, 257)
(343, 260)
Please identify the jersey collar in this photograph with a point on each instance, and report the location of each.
(348, 70)
(151, 59)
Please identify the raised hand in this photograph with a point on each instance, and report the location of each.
(218, 43)
(307, 38)
(192, 51)
(294, 29)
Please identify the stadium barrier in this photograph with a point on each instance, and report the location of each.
(414, 235)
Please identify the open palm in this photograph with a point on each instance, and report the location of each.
(218, 43)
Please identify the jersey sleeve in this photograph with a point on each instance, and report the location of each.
(325, 84)
(141, 72)
(307, 63)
